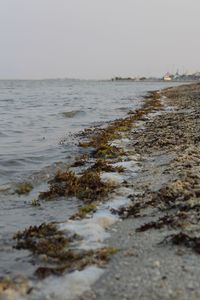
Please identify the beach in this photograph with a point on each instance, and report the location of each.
(159, 238)
(136, 232)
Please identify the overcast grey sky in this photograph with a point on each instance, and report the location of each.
(98, 38)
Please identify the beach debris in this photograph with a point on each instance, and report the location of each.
(24, 188)
(84, 211)
(103, 166)
(80, 161)
(71, 114)
(87, 186)
(171, 221)
(184, 239)
(60, 256)
(43, 239)
(132, 210)
(9, 287)
(106, 151)
(35, 202)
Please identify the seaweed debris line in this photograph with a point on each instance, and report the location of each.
(144, 169)
(160, 235)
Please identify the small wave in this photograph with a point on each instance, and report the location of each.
(8, 100)
(123, 109)
(3, 134)
(72, 113)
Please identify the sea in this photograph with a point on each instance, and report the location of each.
(38, 118)
(40, 121)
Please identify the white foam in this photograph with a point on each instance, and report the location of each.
(10, 294)
(129, 165)
(93, 231)
(120, 143)
(68, 286)
(112, 177)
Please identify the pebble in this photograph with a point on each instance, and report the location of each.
(129, 253)
(190, 286)
(156, 264)
(43, 257)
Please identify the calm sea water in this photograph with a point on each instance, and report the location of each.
(36, 116)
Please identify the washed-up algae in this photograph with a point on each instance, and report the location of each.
(184, 239)
(100, 139)
(84, 211)
(87, 186)
(178, 199)
(24, 188)
(104, 166)
(53, 251)
(45, 238)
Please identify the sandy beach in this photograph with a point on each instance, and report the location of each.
(159, 237)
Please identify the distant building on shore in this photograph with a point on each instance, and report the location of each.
(181, 77)
(168, 76)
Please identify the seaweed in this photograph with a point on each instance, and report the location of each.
(183, 239)
(24, 188)
(48, 240)
(99, 139)
(19, 282)
(173, 221)
(103, 165)
(170, 194)
(83, 211)
(80, 161)
(44, 239)
(128, 211)
(77, 260)
(35, 202)
(105, 151)
(87, 187)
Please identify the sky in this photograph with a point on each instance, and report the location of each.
(98, 39)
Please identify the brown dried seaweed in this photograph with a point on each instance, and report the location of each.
(183, 239)
(87, 186)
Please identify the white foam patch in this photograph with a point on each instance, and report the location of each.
(124, 191)
(11, 295)
(129, 165)
(93, 230)
(118, 201)
(67, 287)
(112, 177)
(120, 143)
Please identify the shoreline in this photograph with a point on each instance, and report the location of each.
(159, 236)
(122, 141)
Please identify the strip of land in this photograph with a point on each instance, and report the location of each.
(159, 238)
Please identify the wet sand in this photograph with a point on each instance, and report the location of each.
(159, 237)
